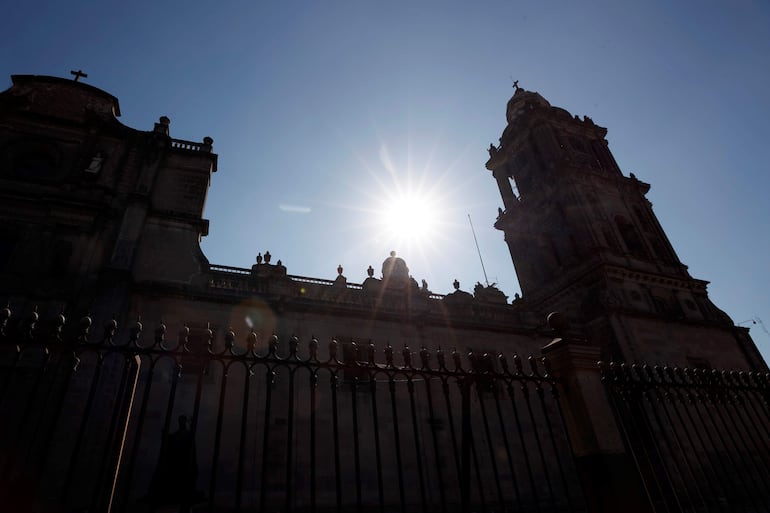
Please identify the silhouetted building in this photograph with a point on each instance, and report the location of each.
(585, 241)
(102, 221)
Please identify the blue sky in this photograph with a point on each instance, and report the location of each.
(321, 111)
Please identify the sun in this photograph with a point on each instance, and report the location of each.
(408, 207)
(409, 217)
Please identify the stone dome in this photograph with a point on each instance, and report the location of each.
(394, 270)
(522, 101)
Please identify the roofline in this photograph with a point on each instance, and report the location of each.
(21, 79)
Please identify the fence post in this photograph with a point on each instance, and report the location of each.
(465, 445)
(610, 480)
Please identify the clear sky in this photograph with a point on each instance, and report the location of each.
(324, 113)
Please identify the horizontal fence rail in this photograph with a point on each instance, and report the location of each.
(699, 437)
(98, 420)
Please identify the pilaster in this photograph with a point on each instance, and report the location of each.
(611, 481)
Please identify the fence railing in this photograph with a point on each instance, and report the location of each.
(699, 437)
(106, 421)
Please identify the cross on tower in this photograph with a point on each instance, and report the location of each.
(516, 85)
(78, 74)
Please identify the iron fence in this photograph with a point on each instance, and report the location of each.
(699, 437)
(114, 421)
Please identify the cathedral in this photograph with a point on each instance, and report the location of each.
(117, 328)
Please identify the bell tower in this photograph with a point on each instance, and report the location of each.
(566, 200)
(583, 237)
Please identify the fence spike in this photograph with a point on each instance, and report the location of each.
(31, 323)
(407, 355)
(517, 364)
(5, 314)
(503, 363)
(84, 326)
(389, 355)
(472, 361)
(457, 360)
(136, 330)
(57, 323)
(110, 328)
(160, 333)
(210, 335)
(441, 359)
(533, 365)
(229, 338)
(546, 366)
(251, 341)
(424, 357)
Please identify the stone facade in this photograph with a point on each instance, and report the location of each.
(120, 211)
(101, 217)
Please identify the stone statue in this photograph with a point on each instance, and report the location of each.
(492, 150)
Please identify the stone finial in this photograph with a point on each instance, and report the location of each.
(259, 258)
(370, 271)
(456, 284)
(268, 256)
(208, 144)
(161, 127)
(339, 269)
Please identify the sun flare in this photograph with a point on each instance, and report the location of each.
(408, 208)
(409, 218)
